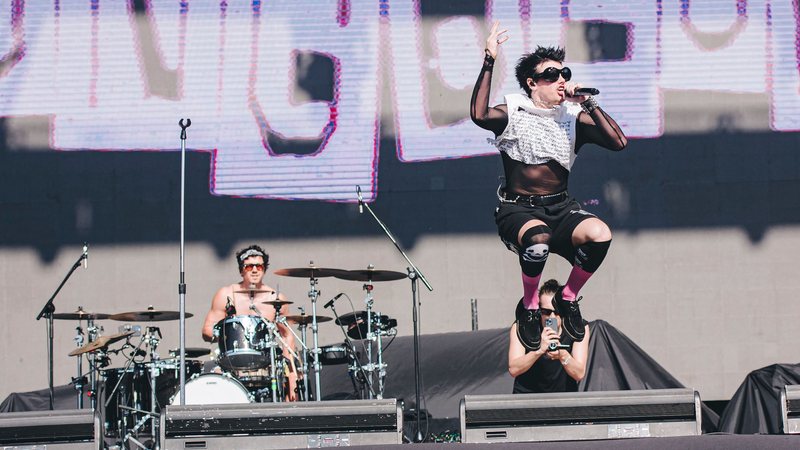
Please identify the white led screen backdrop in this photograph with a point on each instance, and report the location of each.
(286, 94)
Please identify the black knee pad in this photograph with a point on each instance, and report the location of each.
(589, 255)
(534, 250)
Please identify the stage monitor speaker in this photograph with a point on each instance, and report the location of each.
(580, 415)
(790, 409)
(282, 425)
(71, 429)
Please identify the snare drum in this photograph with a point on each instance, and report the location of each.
(243, 343)
(213, 389)
(253, 378)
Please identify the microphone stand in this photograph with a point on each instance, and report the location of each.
(47, 310)
(414, 274)
(182, 282)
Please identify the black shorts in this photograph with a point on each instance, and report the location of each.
(561, 217)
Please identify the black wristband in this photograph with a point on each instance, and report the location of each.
(488, 60)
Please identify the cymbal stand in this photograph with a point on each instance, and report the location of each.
(272, 330)
(314, 294)
(93, 330)
(79, 379)
(371, 338)
(303, 326)
(282, 320)
(380, 366)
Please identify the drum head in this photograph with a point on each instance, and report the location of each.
(213, 389)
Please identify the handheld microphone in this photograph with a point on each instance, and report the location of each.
(330, 303)
(85, 255)
(585, 91)
(360, 200)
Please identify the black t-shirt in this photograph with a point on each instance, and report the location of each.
(546, 375)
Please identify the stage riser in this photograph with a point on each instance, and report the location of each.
(60, 430)
(790, 409)
(296, 425)
(578, 432)
(580, 416)
(58, 446)
(280, 441)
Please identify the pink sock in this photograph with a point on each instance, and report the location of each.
(530, 289)
(577, 278)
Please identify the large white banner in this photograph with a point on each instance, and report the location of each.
(117, 75)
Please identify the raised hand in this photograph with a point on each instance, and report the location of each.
(495, 39)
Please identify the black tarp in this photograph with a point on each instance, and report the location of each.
(754, 408)
(65, 397)
(616, 363)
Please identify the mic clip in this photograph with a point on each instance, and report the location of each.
(330, 303)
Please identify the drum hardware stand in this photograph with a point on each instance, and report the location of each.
(282, 320)
(314, 294)
(182, 282)
(375, 336)
(80, 379)
(47, 311)
(94, 361)
(147, 416)
(351, 348)
(153, 337)
(303, 326)
(272, 328)
(123, 426)
(414, 274)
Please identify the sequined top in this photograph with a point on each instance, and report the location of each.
(535, 135)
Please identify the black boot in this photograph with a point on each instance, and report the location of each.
(570, 312)
(529, 327)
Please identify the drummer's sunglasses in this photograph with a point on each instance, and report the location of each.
(551, 74)
(249, 267)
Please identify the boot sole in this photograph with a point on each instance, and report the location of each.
(522, 341)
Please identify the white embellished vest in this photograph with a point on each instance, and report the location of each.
(535, 136)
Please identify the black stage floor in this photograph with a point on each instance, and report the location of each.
(704, 442)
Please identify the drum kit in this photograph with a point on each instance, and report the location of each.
(254, 362)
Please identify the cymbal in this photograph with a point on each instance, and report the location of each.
(276, 303)
(80, 314)
(150, 315)
(311, 271)
(305, 320)
(255, 291)
(101, 342)
(371, 275)
(190, 352)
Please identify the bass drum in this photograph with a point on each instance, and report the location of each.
(213, 389)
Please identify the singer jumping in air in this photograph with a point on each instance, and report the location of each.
(538, 135)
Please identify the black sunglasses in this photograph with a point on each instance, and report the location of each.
(547, 311)
(551, 74)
